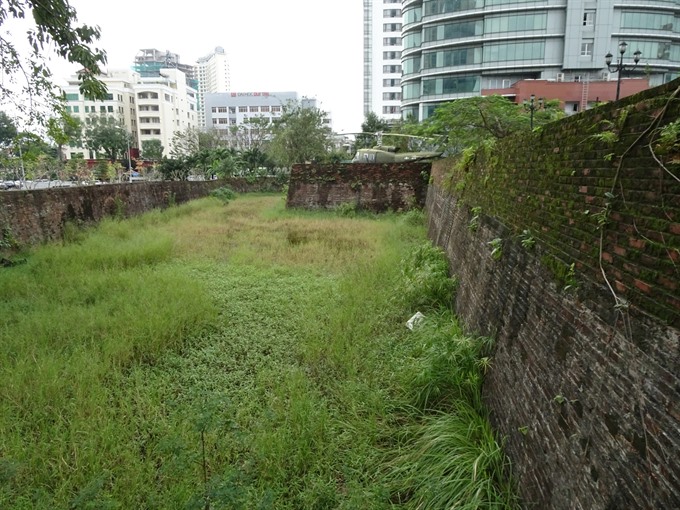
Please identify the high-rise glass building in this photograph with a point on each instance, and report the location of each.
(460, 48)
(382, 58)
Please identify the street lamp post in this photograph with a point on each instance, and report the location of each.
(619, 68)
(129, 162)
(532, 106)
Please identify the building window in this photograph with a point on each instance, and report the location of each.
(214, 121)
(392, 82)
(392, 41)
(392, 13)
(76, 109)
(589, 18)
(392, 96)
(390, 109)
(109, 109)
(391, 55)
(242, 109)
(276, 109)
(232, 109)
(214, 109)
(254, 109)
(264, 109)
(167, 97)
(587, 48)
(392, 69)
(391, 27)
(72, 97)
(102, 109)
(222, 109)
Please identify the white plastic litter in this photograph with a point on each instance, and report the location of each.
(414, 321)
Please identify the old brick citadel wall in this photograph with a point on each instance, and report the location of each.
(36, 216)
(372, 187)
(584, 300)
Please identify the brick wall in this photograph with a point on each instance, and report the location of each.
(586, 393)
(36, 216)
(373, 187)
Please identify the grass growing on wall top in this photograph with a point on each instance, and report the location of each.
(231, 356)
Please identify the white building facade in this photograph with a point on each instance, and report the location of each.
(212, 75)
(226, 111)
(150, 108)
(382, 58)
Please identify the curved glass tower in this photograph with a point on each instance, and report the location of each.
(458, 48)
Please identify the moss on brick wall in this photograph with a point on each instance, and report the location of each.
(583, 390)
(373, 187)
(590, 176)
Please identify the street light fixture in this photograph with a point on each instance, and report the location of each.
(619, 68)
(532, 106)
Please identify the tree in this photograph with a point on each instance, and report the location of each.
(371, 125)
(107, 135)
(301, 134)
(185, 143)
(174, 169)
(210, 139)
(468, 122)
(63, 130)
(253, 133)
(8, 130)
(54, 27)
(152, 149)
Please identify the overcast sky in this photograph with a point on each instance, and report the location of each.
(311, 47)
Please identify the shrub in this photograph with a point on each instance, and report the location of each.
(225, 194)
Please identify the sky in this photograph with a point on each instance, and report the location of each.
(311, 47)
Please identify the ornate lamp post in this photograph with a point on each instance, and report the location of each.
(619, 68)
(532, 106)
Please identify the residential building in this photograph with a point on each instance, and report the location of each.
(120, 104)
(460, 48)
(209, 74)
(165, 104)
(382, 58)
(212, 75)
(149, 107)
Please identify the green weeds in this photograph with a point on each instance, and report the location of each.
(196, 357)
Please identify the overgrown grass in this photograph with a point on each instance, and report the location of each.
(240, 356)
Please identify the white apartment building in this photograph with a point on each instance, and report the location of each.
(148, 107)
(382, 58)
(165, 104)
(212, 75)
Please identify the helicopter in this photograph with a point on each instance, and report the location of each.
(393, 154)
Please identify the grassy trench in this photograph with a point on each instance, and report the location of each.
(241, 356)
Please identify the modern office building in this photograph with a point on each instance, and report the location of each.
(460, 48)
(233, 109)
(152, 107)
(382, 58)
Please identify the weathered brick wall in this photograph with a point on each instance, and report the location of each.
(586, 393)
(35, 216)
(373, 187)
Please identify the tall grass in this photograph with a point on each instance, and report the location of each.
(240, 356)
